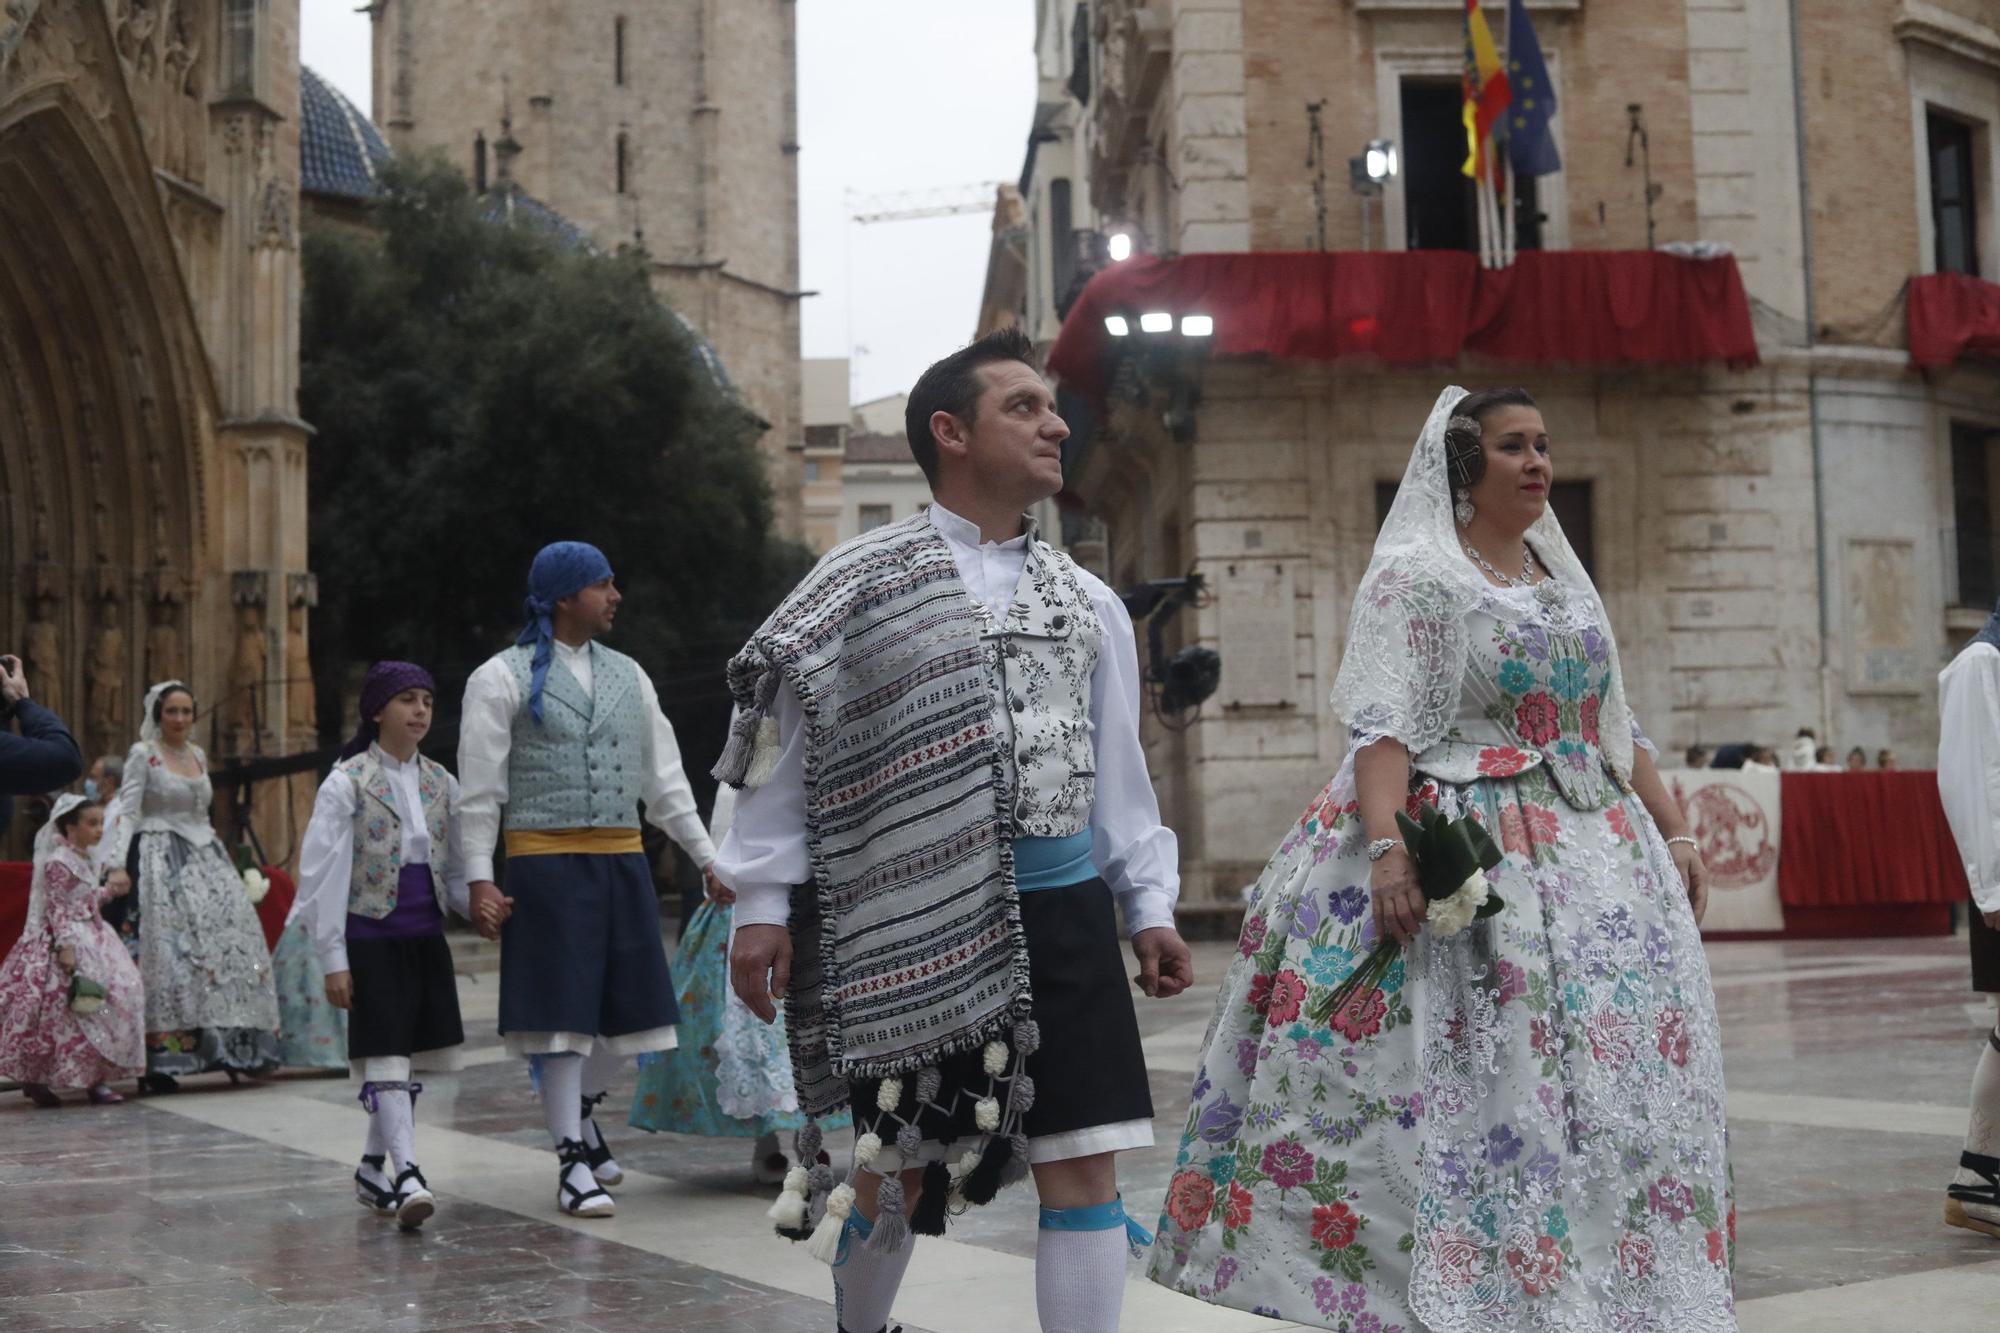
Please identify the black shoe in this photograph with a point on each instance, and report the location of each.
(607, 1171)
(592, 1202)
(1975, 1207)
(414, 1202)
(159, 1084)
(367, 1193)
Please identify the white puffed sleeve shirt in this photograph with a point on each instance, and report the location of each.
(326, 856)
(764, 854)
(486, 735)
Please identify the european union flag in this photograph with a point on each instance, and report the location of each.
(1530, 145)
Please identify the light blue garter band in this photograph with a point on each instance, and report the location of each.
(855, 1225)
(1098, 1217)
(1052, 863)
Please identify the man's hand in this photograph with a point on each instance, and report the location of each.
(118, 884)
(1992, 919)
(340, 989)
(490, 908)
(13, 682)
(1166, 968)
(760, 967)
(717, 891)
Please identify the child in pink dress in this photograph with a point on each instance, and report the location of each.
(48, 1037)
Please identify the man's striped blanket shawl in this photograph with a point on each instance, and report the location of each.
(908, 945)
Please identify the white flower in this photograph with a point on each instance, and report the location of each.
(255, 884)
(86, 1004)
(1450, 915)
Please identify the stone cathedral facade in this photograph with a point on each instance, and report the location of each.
(152, 462)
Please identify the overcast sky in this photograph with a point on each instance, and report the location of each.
(894, 96)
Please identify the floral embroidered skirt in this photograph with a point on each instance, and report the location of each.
(210, 1002)
(730, 1076)
(312, 1034)
(1521, 1129)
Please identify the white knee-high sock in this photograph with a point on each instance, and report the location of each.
(1080, 1268)
(865, 1281)
(381, 1121)
(1982, 1135)
(562, 1096)
(598, 1069)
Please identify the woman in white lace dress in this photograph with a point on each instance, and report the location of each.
(210, 1002)
(1522, 1127)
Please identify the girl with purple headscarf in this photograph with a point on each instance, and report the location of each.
(382, 860)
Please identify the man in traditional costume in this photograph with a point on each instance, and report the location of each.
(1968, 762)
(567, 738)
(945, 793)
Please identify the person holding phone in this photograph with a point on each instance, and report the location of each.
(44, 756)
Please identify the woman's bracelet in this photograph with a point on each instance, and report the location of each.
(1381, 847)
(1686, 839)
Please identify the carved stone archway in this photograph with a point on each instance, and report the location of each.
(108, 418)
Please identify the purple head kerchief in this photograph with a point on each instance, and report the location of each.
(385, 681)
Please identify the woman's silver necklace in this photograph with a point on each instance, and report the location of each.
(1548, 590)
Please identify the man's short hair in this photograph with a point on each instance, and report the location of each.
(113, 766)
(952, 385)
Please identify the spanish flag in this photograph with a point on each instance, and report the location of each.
(1487, 93)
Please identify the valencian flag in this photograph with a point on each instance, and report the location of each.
(1486, 92)
(1530, 144)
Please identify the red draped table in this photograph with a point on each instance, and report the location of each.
(1867, 854)
(14, 876)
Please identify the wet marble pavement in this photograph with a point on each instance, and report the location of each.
(227, 1208)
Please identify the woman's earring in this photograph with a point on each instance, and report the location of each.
(1463, 510)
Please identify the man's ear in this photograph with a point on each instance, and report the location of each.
(953, 436)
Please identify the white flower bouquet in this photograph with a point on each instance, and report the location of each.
(1451, 857)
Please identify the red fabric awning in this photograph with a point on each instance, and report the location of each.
(1866, 839)
(1418, 307)
(1951, 315)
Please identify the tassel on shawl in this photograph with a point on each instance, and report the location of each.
(892, 1228)
(928, 1218)
(825, 1243)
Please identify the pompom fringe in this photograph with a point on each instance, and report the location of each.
(808, 1142)
(983, 1183)
(789, 1212)
(930, 1082)
(892, 1229)
(1016, 1169)
(928, 1218)
(866, 1149)
(825, 1243)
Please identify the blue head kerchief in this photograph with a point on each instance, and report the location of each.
(561, 569)
(1990, 633)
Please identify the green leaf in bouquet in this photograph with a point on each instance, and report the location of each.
(1482, 841)
(1449, 859)
(1413, 832)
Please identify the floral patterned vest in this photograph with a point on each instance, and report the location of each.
(378, 831)
(1039, 669)
(1535, 680)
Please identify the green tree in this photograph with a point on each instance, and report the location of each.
(481, 388)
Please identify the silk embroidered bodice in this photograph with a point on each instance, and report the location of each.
(1535, 680)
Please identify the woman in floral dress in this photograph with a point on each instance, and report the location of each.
(44, 1043)
(1522, 1127)
(210, 1003)
(730, 1076)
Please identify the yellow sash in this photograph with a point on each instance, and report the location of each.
(557, 841)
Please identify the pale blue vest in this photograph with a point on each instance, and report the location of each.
(378, 832)
(584, 765)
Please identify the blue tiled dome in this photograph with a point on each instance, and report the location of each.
(339, 148)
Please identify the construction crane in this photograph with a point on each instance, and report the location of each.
(910, 205)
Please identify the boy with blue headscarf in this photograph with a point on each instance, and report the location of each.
(561, 741)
